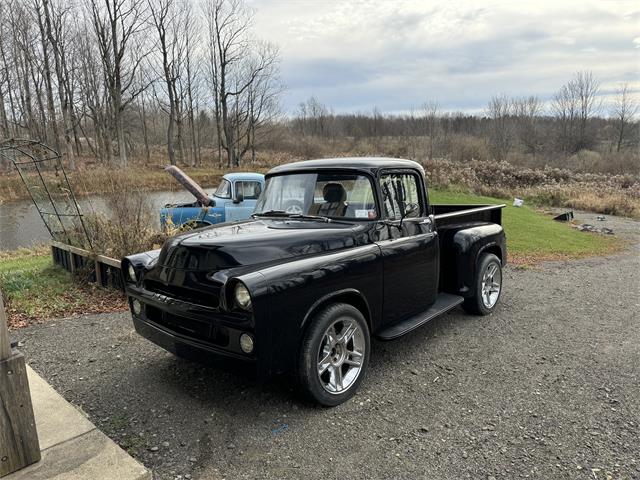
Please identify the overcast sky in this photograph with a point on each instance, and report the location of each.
(396, 54)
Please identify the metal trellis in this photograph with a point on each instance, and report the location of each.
(43, 174)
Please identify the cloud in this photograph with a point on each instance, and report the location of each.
(355, 54)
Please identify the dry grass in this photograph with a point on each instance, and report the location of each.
(34, 289)
(609, 194)
(468, 167)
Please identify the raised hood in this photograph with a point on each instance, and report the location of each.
(256, 242)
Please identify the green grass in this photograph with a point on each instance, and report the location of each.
(534, 236)
(34, 289)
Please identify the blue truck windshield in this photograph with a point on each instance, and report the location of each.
(338, 195)
(224, 189)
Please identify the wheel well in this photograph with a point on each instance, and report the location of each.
(495, 249)
(351, 298)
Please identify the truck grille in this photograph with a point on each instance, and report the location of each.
(210, 298)
(188, 327)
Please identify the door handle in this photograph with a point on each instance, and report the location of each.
(430, 220)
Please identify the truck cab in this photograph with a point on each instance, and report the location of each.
(337, 251)
(234, 199)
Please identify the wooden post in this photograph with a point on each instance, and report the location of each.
(19, 445)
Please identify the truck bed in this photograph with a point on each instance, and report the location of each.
(449, 214)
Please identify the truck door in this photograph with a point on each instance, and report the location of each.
(409, 244)
(245, 196)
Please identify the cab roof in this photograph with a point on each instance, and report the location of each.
(243, 176)
(371, 164)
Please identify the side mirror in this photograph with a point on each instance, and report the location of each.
(410, 208)
(239, 198)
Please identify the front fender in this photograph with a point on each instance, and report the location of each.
(285, 301)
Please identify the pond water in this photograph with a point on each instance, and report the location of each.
(21, 225)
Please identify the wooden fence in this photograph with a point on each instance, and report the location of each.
(104, 271)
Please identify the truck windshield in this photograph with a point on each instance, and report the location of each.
(337, 195)
(224, 189)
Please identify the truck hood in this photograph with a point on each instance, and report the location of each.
(258, 241)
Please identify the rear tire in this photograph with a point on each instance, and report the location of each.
(487, 286)
(334, 355)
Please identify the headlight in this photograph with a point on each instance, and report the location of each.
(132, 273)
(243, 299)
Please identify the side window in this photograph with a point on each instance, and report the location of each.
(249, 190)
(400, 193)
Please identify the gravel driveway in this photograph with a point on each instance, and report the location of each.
(547, 387)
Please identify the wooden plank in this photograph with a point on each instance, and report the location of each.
(102, 263)
(86, 253)
(5, 344)
(60, 245)
(109, 261)
(19, 444)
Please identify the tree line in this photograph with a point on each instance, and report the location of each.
(187, 80)
(101, 78)
(575, 119)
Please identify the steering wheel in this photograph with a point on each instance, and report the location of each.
(294, 207)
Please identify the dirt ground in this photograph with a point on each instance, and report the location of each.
(546, 387)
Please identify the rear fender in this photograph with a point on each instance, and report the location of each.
(461, 248)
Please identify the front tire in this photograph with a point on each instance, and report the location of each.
(334, 355)
(487, 286)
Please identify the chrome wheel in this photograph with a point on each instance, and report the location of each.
(491, 284)
(340, 355)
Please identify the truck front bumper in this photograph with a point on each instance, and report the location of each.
(193, 350)
(192, 331)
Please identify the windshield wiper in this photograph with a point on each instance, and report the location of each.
(282, 213)
(310, 217)
(271, 213)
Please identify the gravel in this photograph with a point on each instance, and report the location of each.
(547, 387)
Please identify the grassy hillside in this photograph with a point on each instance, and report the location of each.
(533, 236)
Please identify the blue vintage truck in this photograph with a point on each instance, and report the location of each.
(234, 199)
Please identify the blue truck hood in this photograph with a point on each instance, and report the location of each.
(258, 241)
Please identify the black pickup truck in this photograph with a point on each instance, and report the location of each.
(337, 251)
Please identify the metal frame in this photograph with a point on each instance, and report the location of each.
(25, 153)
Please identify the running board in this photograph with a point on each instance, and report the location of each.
(443, 304)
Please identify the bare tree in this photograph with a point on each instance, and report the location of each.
(500, 111)
(55, 25)
(527, 111)
(312, 117)
(41, 12)
(166, 17)
(5, 81)
(116, 23)
(431, 124)
(574, 105)
(263, 98)
(238, 66)
(586, 89)
(623, 111)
